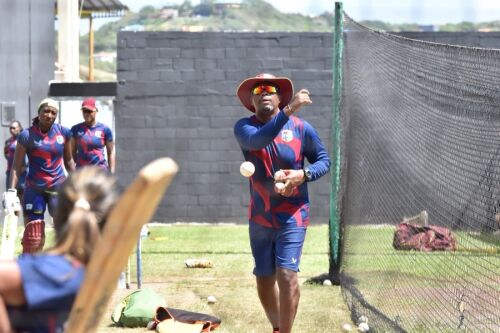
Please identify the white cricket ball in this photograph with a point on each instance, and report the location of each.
(327, 282)
(247, 169)
(346, 327)
(278, 175)
(363, 319)
(278, 187)
(363, 327)
(211, 299)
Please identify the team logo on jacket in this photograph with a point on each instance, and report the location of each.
(286, 135)
(60, 139)
(81, 133)
(37, 143)
(98, 134)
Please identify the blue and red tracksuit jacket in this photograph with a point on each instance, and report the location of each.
(282, 143)
(90, 144)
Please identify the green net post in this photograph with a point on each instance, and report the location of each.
(334, 225)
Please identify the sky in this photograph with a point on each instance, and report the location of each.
(392, 11)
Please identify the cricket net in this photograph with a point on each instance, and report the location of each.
(421, 128)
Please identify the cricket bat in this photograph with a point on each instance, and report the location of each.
(135, 208)
(9, 236)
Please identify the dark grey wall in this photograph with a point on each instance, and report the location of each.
(176, 97)
(27, 55)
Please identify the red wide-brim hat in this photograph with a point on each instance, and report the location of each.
(284, 84)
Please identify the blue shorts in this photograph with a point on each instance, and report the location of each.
(35, 201)
(273, 248)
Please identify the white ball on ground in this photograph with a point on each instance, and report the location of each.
(327, 282)
(211, 299)
(346, 328)
(247, 169)
(363, 319)
(363, 327)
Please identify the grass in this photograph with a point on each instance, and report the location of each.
(372, 250)
(231, 281)
(423, 289)
(321, 308)
(413, 286)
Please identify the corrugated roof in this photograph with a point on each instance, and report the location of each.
(102, 8)
(102, 5)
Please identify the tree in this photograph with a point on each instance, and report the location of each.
(146, 11)
(185, 8)
(203, 9)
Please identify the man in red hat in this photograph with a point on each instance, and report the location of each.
(277, 143)
(91, 141)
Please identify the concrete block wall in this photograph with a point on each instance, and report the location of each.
(177, 97)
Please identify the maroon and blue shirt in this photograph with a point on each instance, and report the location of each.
(9, 150)
(45, 153)
(282, 143)
(91, 144)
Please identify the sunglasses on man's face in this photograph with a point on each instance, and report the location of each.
(264, 88)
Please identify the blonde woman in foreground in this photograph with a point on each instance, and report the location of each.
(37, 290)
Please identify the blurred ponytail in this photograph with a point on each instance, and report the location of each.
(85, 200)
(82, 235)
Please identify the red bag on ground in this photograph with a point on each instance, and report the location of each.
(423, 238)
(170, 320)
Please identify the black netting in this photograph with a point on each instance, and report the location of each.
(421, 123)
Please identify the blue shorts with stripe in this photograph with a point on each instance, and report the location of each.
(273, 248)
(35, 202)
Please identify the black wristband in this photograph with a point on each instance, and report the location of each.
(307, 174)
